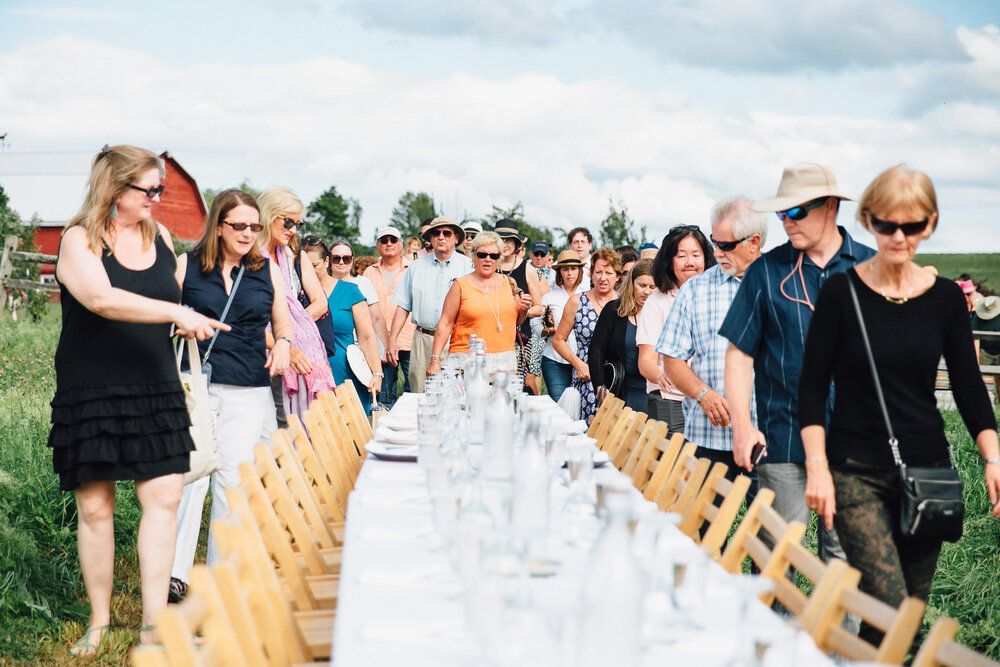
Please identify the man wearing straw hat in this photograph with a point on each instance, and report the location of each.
(986, 318)
(421, 293)
(766, 327)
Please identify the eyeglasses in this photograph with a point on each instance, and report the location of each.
(388, 240)
(255, 227)
(312, 240)
(728, 246)
(149, 192)
(887, 228)
(684, 228)
(800, 212)
(492, 255)
(341, 259)
(446, 233)
(297, 224)
(539, 254)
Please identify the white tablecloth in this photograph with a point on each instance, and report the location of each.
(401, 603)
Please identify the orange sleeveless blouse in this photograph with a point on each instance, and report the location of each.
(478, 313)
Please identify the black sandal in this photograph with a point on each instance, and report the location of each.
(178, 590)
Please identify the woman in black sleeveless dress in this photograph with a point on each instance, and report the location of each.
(119, 411)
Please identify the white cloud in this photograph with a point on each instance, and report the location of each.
(782, 35)
(560, 148)
(62, 13)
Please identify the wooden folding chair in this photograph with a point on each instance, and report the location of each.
(789, 552)
(719, 519)
(329, 482)
(683, 484)
(305, 591)
(354, 414)
(899, 625)
(202, 612)
(328, 407)
(610, 416)
(292, 636)
(657, 462)
(279, 520)
(652, 431)
(622, 438)
(941, 650)
(747, 541)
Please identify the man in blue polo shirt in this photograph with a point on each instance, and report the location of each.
(766, 327)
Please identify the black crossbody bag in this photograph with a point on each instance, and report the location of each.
(930, 503)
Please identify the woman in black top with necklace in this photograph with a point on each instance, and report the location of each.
(912, 319)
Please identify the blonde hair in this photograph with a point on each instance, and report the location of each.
(278, 202)
(112, 171)
(628, 306)
(898, 187)
(209, 249)
(486, 238)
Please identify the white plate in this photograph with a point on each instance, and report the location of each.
(398, 424)
(395, 437)
(601, 459)
(387, 452)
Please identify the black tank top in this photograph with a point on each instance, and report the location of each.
(519, 277)
(94, 351)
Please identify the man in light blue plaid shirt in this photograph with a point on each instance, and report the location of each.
(695, 353)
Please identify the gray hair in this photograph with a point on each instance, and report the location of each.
(747, 222)
(486, 238)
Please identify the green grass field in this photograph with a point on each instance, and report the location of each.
(42, 604)
(984, 268)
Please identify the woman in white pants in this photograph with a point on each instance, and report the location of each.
(227, 267)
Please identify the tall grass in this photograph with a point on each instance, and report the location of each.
(43, 607)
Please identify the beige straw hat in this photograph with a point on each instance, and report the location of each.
(801, 183)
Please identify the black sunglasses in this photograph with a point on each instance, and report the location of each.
(684, 228)
(312, 240)
(483, 255)
(388, 240)
(255, 227)
(297, 224)
(341, 259)
(447, 233)
(539, 254)
(728, 246)
(154, 191)
(800, 212)
(887, 228)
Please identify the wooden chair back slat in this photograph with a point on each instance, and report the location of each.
(719, 519)
(684, 484)
(941, 650)
(652, 432)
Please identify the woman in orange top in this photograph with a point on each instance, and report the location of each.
(481, 303)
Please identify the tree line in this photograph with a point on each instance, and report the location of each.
(332, 215)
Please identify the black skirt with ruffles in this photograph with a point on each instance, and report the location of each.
(119, 412)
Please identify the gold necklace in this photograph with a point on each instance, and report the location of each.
(486, 291)
(899, 301)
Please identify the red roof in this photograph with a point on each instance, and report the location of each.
(181, 208)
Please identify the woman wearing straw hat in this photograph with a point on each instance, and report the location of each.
(556, 372)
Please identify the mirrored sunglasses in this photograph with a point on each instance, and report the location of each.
(728, 246)
(297, 224)
(800, 212)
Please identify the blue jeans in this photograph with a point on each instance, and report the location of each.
(557, 377)
(387, 395)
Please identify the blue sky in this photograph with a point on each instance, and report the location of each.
(664, 106)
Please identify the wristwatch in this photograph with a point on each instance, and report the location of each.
(287, 340)
(702, 394)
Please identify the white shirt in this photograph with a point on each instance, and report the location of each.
(648, 329)
(555, 299)
(367, 289)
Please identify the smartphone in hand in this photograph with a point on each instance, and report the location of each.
(757, 453)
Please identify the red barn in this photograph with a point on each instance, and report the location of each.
(181, 210)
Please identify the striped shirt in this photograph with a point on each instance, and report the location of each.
(690, 333)
(765, 323)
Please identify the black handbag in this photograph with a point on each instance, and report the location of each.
(930, 502)
(614, 377)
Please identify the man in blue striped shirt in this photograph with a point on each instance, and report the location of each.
(767, 326)
(691, 332)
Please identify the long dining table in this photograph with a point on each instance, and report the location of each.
(401, 602)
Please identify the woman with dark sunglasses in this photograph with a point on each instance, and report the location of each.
(308, 373)
(912, 319)
(350, 315)
(483, 303)
(241, 365)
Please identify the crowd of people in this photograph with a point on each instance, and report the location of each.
(754, 357)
